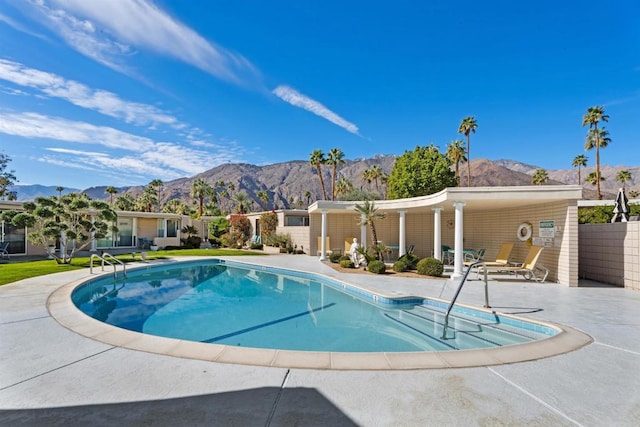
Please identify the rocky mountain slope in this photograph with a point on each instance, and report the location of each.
(286, 183)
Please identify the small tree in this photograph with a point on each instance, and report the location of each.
(218, 228)
(268, 224)
(7, 178)
(240, 231)
(420, 172)
(75, 219)
(368, 214)
(192, 241)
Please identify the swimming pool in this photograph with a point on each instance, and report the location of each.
(235, 304)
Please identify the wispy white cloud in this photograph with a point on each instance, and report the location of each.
(19, 27)
(167, 159)
(295, 98)
(105, 102)
(109, 31)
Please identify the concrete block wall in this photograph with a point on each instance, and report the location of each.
(610, 253)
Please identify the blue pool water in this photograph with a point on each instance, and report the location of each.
(229, 303)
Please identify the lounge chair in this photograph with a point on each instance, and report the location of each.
(475, 256)
(501, 259)
(4, 250)
(527, 268)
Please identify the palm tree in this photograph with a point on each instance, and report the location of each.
(384, 180)
(111, 190)
(334, 159)
(593, 116)
(59, 190)
(367, 176)
(592, 178)
(623, 176)
(317, 159)
(264, 196)
(456, 153)
(375, 172)
(468, 126)
(597, 138)
(307, 196)
(242, 202)
(343, 186)
(200, 189)
(634, 193)
(368, 214)
(156, 186)
(580, 161)
(540, 176)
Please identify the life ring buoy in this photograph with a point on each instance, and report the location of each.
(525, 230)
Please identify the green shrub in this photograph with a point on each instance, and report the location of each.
(411, 260)
(430, 267)
(334, 257)
(377, 267)
(400, 265)
(256, 246)
(299, 251)
(347, 263)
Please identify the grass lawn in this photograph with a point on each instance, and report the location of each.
(18, 270)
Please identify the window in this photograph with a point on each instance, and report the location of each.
(173, 226)
(296, 221)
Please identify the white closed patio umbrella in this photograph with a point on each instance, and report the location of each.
(621, 209)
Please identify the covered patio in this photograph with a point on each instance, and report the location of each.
(464, 218)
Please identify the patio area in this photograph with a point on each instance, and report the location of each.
(52, 376)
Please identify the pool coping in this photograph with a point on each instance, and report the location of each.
(62, 309)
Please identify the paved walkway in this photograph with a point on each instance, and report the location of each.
(50, 375)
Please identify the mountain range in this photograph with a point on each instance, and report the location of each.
(286, 183)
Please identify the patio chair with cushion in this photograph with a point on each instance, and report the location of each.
(527, 269)
(4, 250)
(502, 258)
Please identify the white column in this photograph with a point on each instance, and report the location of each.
(437, 233)
(323, 236)
(458, 242)
(363, 232)
(402, 240)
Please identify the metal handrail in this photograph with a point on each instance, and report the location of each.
(455, 297)
(103, 258)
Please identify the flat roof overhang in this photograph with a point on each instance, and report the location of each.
(475, 199)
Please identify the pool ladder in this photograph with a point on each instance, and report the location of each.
(455, 296)
(104, 260)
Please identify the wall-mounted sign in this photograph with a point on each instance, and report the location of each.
(547, 229)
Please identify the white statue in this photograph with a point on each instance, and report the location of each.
(357, 258)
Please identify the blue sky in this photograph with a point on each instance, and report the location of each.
(116, 92)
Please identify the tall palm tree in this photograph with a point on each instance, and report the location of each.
(264, 197)
(242, 202)
(468, 126)
(384, 180)
(343, 186)
(623, 176)
(593, 116)
(111, 190)
(201, 189)
(156, 186)
(368, 215)
(375, 174)
(316, 159)
(456, 153)
(59, 190)
(597, 138)
(367, 176)
(335, 160)
(307, 196)
(540, 176)
(580, 161)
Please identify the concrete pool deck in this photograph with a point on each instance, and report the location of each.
(51, 375)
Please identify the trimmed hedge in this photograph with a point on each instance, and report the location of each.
(400, 265)
(334, 257)
(411, 260)
(377, 267)
(347, 263)
(430, 267)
